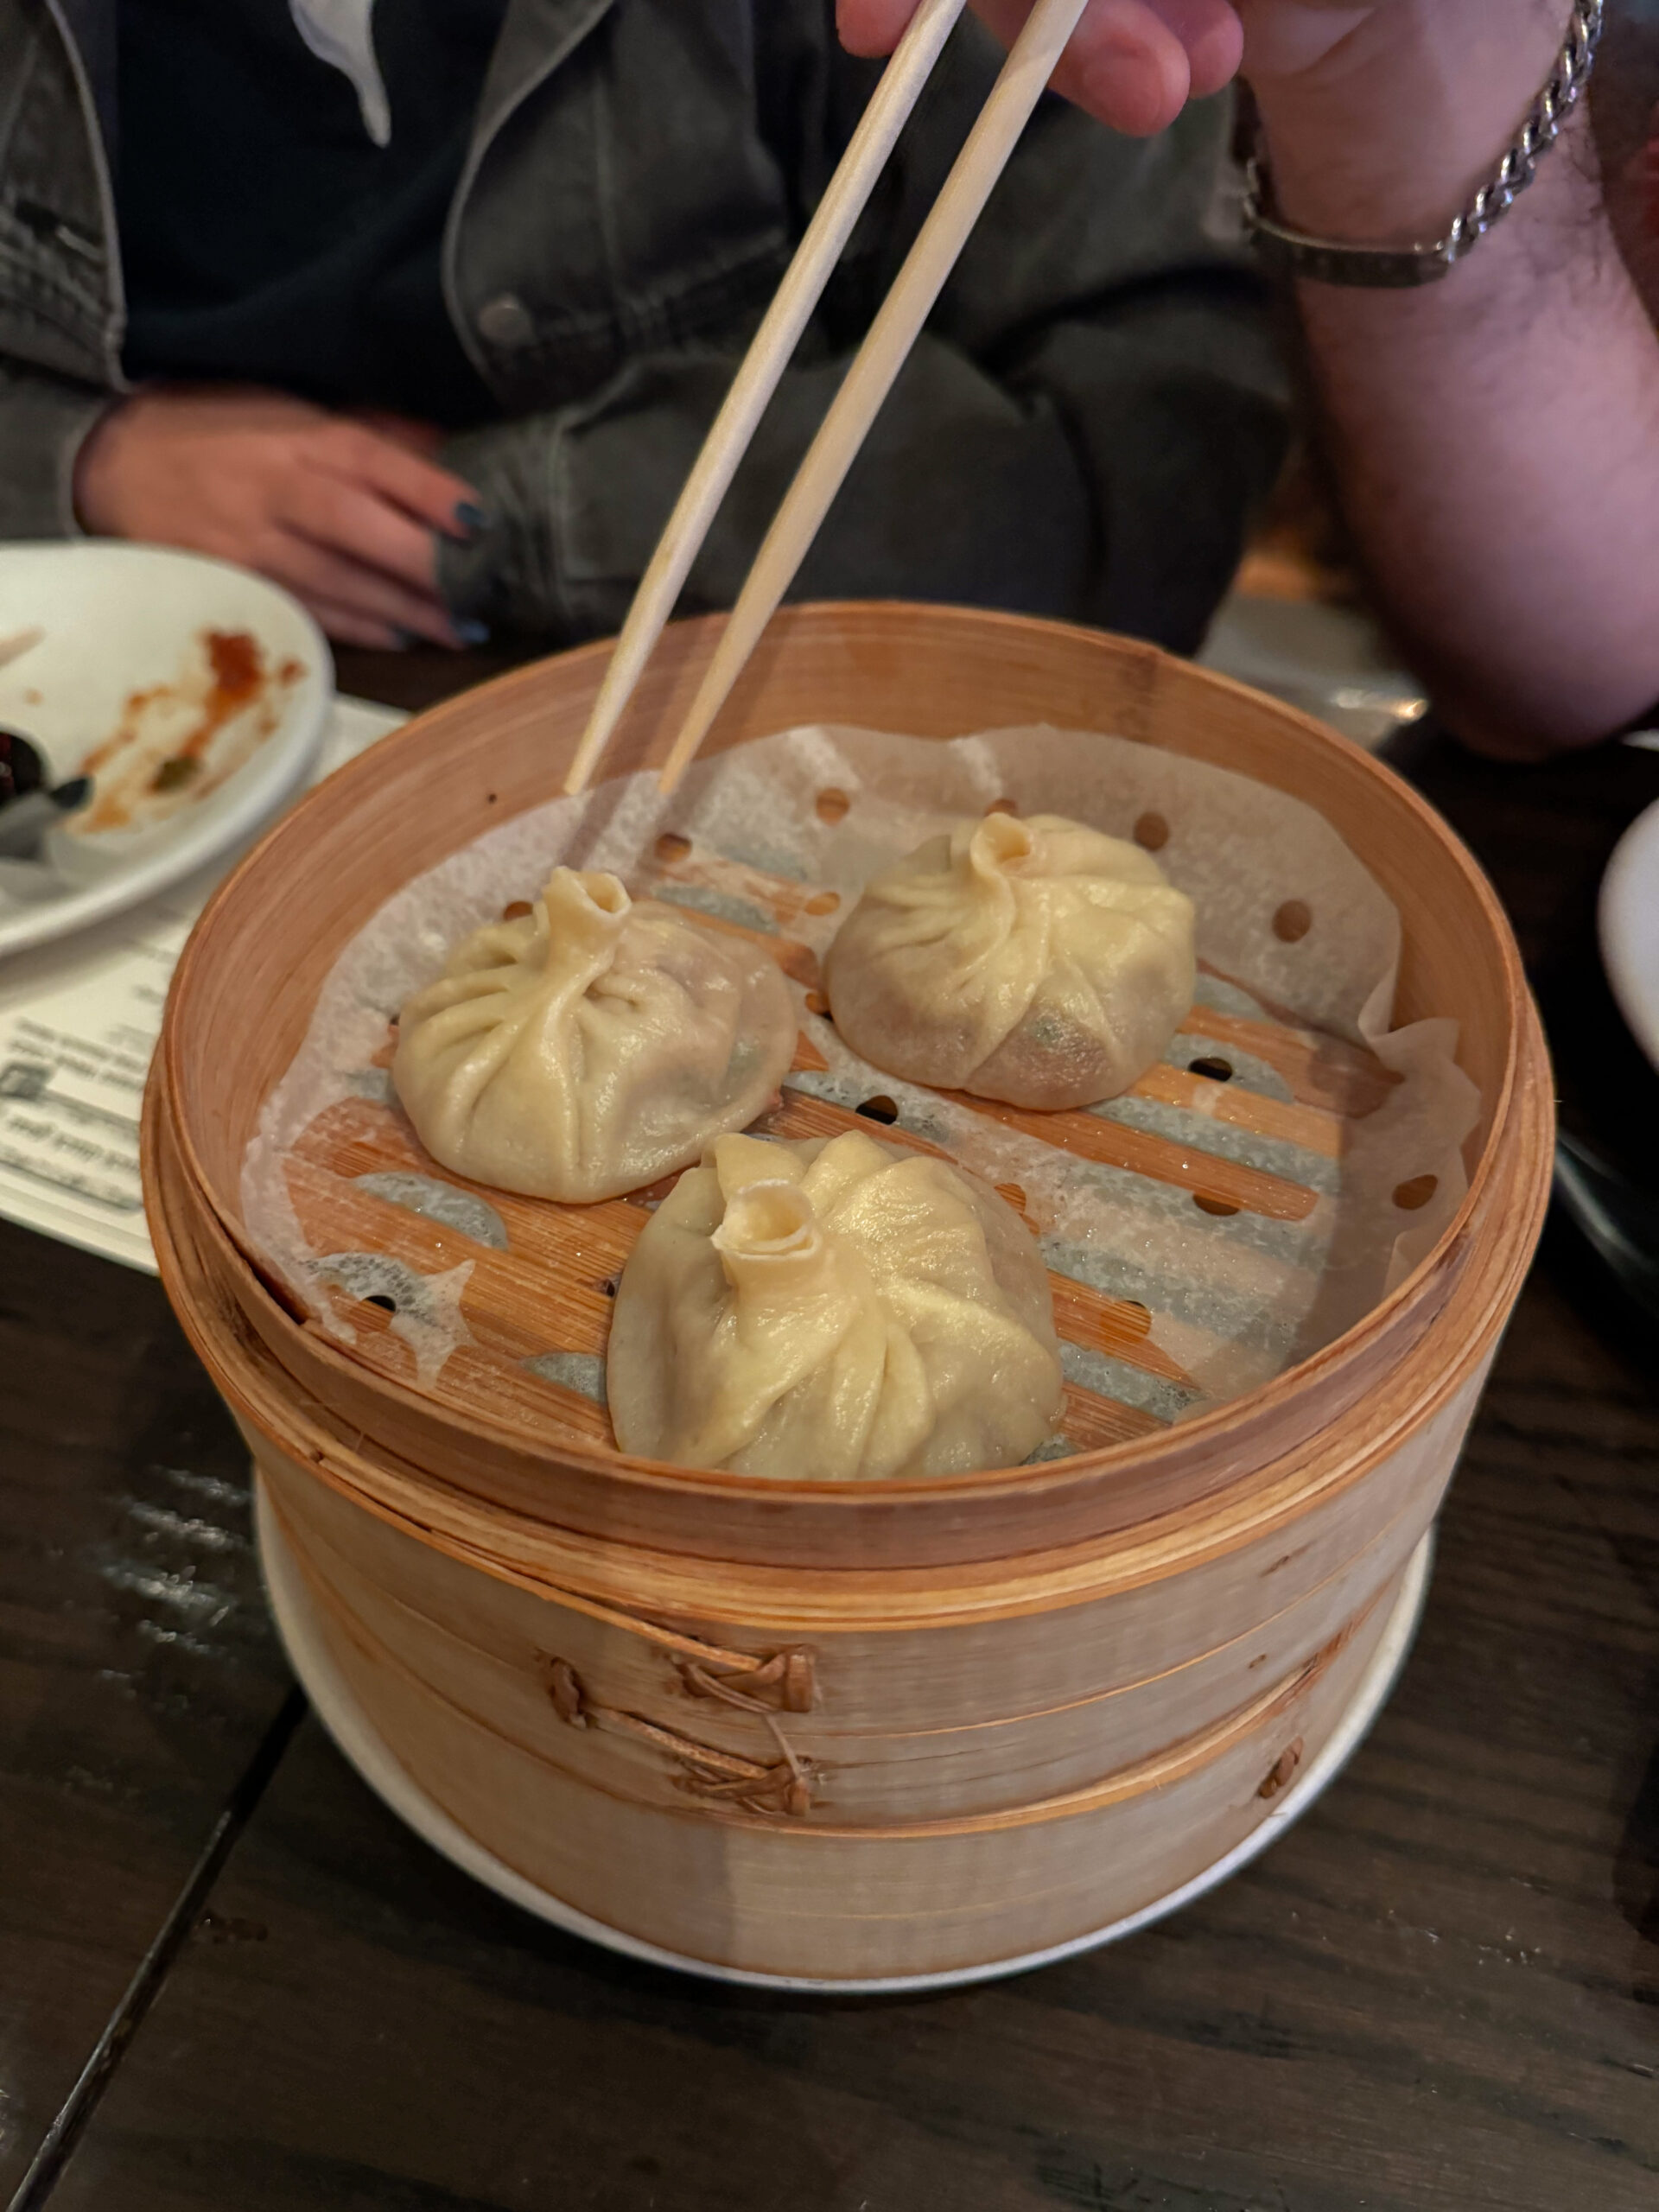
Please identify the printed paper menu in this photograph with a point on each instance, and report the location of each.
(79, 1021)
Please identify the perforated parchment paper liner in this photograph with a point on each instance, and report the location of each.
(1287, 1163)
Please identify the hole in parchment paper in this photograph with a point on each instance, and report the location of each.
(817, 1003)
(1213, 1066)
(1152, 833)
(378, 1298)
(1206, 1203)
(1293, 922)
(1014, 1195)
(1417, 1193)
(881, 1108)
(831, 806)
(516, 910)
(670, 846)
(822, 902)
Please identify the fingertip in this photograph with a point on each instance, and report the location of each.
(455, 507)
(424, 488)
(1137, 86)
(871, 28)
(468, 519)
(1215, 55)
(342, 628)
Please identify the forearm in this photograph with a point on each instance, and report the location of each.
(1496, 436)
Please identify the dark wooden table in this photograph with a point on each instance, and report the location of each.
(230, 1980)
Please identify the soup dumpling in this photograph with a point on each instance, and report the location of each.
(1039, 962)
(831, 1312)
(590, 1047)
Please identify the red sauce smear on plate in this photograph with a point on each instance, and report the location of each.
(237, 680)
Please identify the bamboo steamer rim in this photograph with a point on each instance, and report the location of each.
(1076, 1574)
(767, 1602)
(215, 1306)
(1476, 1307)
(884, 620)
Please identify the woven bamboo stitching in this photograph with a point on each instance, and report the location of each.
(788, 1672)
(782, 1785)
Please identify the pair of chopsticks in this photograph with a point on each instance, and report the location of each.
(891, 336)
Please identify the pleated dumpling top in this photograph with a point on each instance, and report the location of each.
(590, 1047)
(1039, 962)
(833, 1311)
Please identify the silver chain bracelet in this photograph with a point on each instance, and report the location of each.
(1327, 261)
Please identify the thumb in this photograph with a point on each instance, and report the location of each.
(868, 27)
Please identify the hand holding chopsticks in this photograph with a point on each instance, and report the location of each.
(865, 385)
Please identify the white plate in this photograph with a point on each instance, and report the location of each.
(1629, 928)
(117, 619)
(1329, 661)
(343, 1717)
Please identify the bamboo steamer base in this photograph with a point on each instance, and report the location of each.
(343, 1714)
(818, 1898)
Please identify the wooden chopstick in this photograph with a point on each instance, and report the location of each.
(867, 156)
(879, 360)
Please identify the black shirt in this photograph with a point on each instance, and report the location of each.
(280, 212)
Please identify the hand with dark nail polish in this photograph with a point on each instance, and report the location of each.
(346, 516)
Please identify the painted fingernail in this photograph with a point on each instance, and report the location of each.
(470, 517)
(472, 633)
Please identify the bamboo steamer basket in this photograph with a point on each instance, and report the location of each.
(883, 1729)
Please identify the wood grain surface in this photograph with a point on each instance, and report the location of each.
(138, 1674)
(1440, 1994)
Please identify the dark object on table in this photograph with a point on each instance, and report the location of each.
(1618, 1220)
(1546, 834)
(25, 821)
(22, 769)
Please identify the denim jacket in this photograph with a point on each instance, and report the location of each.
(1094, 407)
